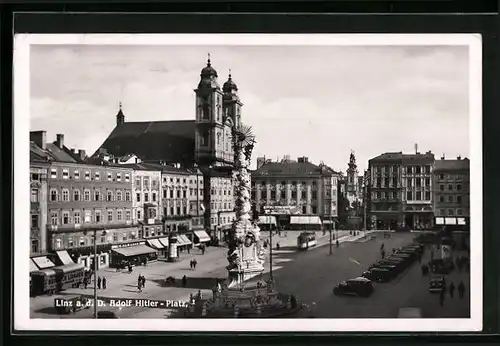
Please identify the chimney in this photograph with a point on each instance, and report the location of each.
(82, 154)
(39, 138)
(416, 148)
(60, 140)
(459, 157)
(443, 157)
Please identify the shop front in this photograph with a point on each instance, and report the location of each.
(201, 237)
(305, 223)
(387, 220)
(267, 222)
(158, 245)
(418, 217)
(136, 253)
(85, 256)
(183, 243)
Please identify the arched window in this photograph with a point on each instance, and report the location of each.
(65, 195)
(110, 196)
(53, 195)
(118, 195)
(86, 195)
(76, 195)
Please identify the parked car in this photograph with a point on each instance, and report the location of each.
(359, 287)
(436, 284)
(379, 274)
(394, 269)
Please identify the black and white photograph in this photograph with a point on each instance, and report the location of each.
(255, 182)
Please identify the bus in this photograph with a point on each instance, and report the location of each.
(305, 240)
(53, 280)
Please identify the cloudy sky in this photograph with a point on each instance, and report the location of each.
(320, 102)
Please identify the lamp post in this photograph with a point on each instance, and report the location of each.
(94, 236)
(331, 228)
(271, 253)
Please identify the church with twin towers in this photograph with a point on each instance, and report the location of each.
(203, 144)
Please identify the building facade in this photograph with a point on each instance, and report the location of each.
(38, 207)
(312, 189)
(451, 191)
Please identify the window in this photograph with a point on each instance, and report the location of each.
(86, 195)
(459, 199)
(303, 195)
(138, 196)
(110, 176)
(127, 196)
(88, 216)
(418, 182)
(119, 215)
(82, 241)
(441, 176)
(146, 197)
(58, 243)
(53, 173)
(171, 193)
(65, 195)
(110, 215)
(382, 195)
(314, 209)
(124, 236)
(409, 196)
(34, 195)
(184, 210)
(34, 221)
(165, 193)
(139, 215)
(264, 194)
(450, 187)
(294, 194)
(450, 212)
(70, 242)
(102, 239)
(98, 216)
(138, 183)
(273, 194)
(119, 195)
(146, 183)
(427, 169)
(154, 197)
(427, 181)
(34, 246)
(314, 194)
(408, 170)
(171, 210)
(76, 174)
(459, 212)
(127, 177)
(178, 210)
(118, 177)
(419, 196)
(97, 195)
(408, 182)
(76, 195)
(65, 218)
(441, 199)
(450, 199)
(418, 169)
(109, 196)
(184, 194)
(115, 237)
(54, 218)
(459, 187)
(128, 215)
(178, 193)
(282, 194)
(441, 187)
(97, 175)
(35, 177)
(78, 217)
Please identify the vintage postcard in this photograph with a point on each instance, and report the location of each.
(256, 182)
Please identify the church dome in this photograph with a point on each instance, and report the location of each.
(230, 85)
(208, 71)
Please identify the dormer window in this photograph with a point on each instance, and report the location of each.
(87, 175)
(118, 176)
(127, 177)
(110, 176)
(77, 174)
(65, 174)
(53, 173)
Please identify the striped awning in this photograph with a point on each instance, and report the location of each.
(64, 257)
(43, 262)
(155, 244)
(305, 220)
(164, 242)
(183, 240)
(267, 220)
(202, 236)
(33, 267)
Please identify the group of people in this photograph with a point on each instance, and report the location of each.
(193, 263)
(451, 290)
(141, 282)
(101, 282)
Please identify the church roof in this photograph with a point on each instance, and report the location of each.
(170, 141)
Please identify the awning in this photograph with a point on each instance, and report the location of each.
(439, 220)
(305, 220)
(155, 243)
(33, 267)
(64, 257)
(164, 242)
(267, 220)
(461, 221)
(134, 250)
(327, 222)
(183, 240)
(43, 262)
(450, 221)
(202, 236)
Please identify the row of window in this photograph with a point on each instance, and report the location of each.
(408, 169)
(145, 183)
(170, 193)
(65, 174)
(177, 211)
(73, 241)
(184, 180)
(450, 199)
(449, 212)
(284, 183)
(222, 192)
(88, 195)
(223, 220)
(458, 187)
(88, 216)
(220, 205)
(146, 197)
(450, 176)
(282, 195)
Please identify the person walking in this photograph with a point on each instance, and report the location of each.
(85, 282)
(143, 281)
(195, 262)
(184, 281)
(139, 280)
(191, 265)
(99, 282)
(189, 250)
(452, 290)
(461, 289)
(139, 286)
(104, 283)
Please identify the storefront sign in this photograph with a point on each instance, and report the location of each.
(286, 209)
(117, 246)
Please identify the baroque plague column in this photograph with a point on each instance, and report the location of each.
(246, 251)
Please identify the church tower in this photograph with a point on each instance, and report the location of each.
(213, 131)
(352, 179)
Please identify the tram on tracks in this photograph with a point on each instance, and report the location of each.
(53, 280)
(305, 240)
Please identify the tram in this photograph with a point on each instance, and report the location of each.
(50, 281)
(305, 240)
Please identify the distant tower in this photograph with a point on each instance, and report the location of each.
(120, 117)
(352, 179)
(213, 130)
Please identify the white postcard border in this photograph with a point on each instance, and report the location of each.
(21, 101)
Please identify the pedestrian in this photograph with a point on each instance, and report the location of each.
(143, 281)
(99, 282)
(195, 262)
(184, 281)
(139, 286)
(199, 296)
(85, 282)
(103, 283)
(203, 249)
(189, 250)
(139, 279)
(337, 243)
(461, 289)
(383, 254)
(191, 265)
(452, 290)
(277, 246)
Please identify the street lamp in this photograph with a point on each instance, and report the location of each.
(94, 235)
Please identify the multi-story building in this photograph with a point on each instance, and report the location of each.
(451, 191)
(203, 143)
(221, 203)
(87, 202)
(400, 190)
(416, 177)
(302, 184)
(38, 182)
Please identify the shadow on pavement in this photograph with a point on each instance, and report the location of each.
(203, 283)
(49, 310)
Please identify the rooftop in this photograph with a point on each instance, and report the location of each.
(292, 168)
(452, 165)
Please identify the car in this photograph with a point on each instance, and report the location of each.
(359, 287)
(441, 266)
(436, 284)
(410, 313)
(379, 274)
(392, 268)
